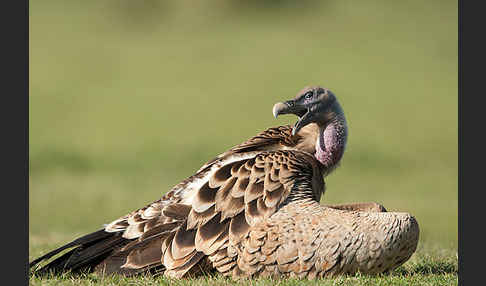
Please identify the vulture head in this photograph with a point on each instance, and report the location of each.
(319, 105)
(312, 105)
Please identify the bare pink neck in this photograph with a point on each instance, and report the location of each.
(331, 143)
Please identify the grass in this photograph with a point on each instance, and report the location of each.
(426, 267)
(128, 99)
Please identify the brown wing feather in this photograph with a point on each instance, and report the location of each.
(271, 139)
(212, 209)
(281, 135)
(150, 229)
(237, 196)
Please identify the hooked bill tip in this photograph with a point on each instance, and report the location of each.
(277, 108)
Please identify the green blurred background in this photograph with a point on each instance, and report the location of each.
(127, 98)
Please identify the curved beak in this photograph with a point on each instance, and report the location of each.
(291, 107)
(280, 108)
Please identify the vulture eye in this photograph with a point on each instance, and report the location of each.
(308, 95)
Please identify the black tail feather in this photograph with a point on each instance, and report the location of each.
(89, 251)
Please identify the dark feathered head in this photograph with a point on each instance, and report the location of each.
(313, 104)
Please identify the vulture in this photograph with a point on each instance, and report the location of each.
(253, 211)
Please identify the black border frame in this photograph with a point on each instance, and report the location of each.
(15, 140)
(470, 143)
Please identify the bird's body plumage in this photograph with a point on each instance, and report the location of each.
(253, 210)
